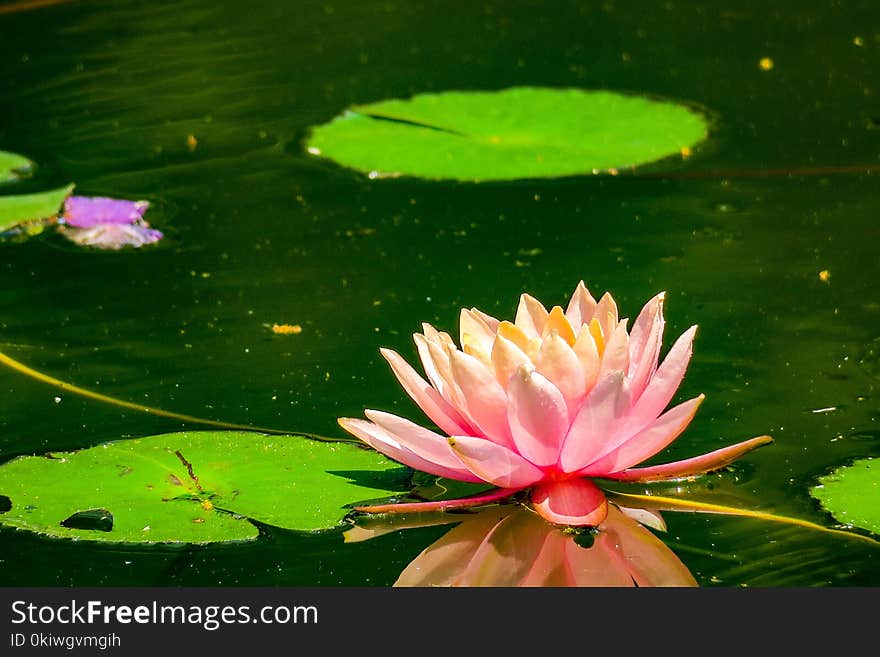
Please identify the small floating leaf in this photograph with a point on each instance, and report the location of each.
(852, 494)
(196, 487)
(520, 132)
(13, 166)
(23, 208)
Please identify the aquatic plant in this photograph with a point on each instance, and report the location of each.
(107, 223)
(547, 404)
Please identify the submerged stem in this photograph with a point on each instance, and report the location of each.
(83, 392)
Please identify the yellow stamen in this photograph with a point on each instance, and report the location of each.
(557, 321)
(598, 338)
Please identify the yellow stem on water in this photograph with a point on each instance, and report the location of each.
(69, 387)
(673, 504)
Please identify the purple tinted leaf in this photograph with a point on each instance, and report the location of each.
(86, 212)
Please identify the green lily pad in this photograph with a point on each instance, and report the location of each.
(195, 487)
(852, 494)
(13, 166)
(23, 208)
(521, 132)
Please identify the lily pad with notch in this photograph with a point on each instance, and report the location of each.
(514, 133)
(195, 487)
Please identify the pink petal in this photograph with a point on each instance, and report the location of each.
(380, 440)
(570, 502)
(644, 556)
(616, 354)
(507, 553)
(435, 361)
(694, 466)
(490, 321)
(530, 316)
(647, 517)
(485, 401)
(606, 314)
(558, 362)
(506, 359)
(443, 562)
(656, 396)
(474, 332)
(595, 423)
(480, 499)
(644, 345)
(424, 443)
(581, 308)
(428, 399)
(537, 416)
(647, 442)
(588, 354)
(495, 463)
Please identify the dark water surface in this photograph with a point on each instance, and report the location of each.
(105, 93)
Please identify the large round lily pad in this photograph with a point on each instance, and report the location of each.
(193, 487)
(520, 132)
(22, 208)
(13, 166)
(852, 494)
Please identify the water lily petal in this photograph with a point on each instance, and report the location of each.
(475, 333)
(490, 321)
(606, 314)
(495, 463)
(647, 517)
(424, 443)
(506, 360)
(380, 440)
(537, 415)
(530, 316)
(647, 442)
(435, 361)
(693, 466)
(485, 401)
(616, 354)
(428, 399)
(559, 363)
(576, 502)
(588, 353)
(604, 408)
(645, 341)
(581, 308)
(480, 499)
(507, 553)
(657, 394)
(647, 559)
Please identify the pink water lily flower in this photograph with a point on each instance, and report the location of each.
(545, 404)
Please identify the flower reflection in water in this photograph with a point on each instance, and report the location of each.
(509, 545)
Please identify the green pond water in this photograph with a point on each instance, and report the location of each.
(105, 94)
